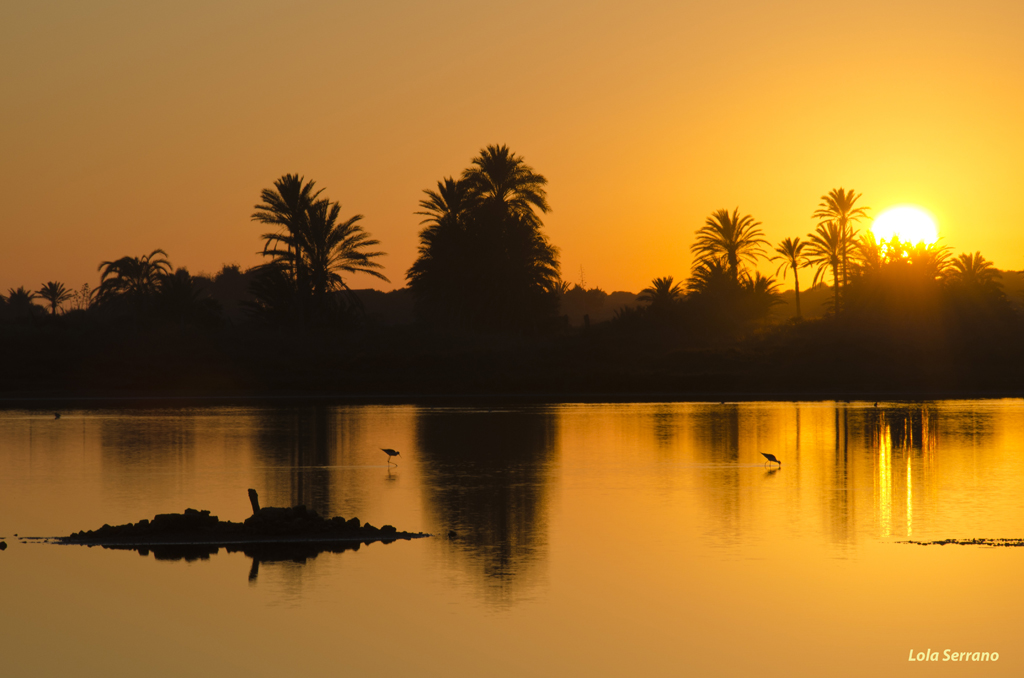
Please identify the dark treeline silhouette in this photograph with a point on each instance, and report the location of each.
(486, 310)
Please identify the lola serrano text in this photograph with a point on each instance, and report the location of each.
(930, 655)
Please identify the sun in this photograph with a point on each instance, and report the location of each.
(911, 224)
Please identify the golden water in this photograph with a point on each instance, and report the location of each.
(592, 540)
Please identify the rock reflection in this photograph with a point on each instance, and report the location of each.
(293, 552)
(485, 478)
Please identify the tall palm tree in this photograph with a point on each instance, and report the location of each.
(483, 259)
(502, 179)
(318, 248)
(312, 247)
(825, 251)
(791, 253)
(286, 206)
(55, 293)
(839, 207)
(133, 278)
(731, 238)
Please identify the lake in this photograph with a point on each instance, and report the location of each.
(591, 540)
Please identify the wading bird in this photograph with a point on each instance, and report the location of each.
(390, 453)
(771, 458)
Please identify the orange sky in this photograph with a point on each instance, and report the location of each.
(132, 126)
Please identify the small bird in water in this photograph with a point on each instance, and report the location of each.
(390, 453)
(771, 458)
(56, 415)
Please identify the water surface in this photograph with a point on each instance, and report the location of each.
(592, 539)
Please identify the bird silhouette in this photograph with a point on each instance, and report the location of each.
(56, 415)
(771, 458)
(390, 453)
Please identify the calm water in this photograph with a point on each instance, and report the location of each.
(593, 540)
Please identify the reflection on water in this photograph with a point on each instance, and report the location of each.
(303, 441)
(485, 476)
(294, 552)
(902, 438)
(647, 529)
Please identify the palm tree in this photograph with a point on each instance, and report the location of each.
(791, 252)
(729, 237)
(838, 206)
(711, 276)
(55, 293)
(19, 301)
(762, 292)
(501, 179)
(825, 250)
(929, 261)
(320, 248)
(287, 205)
(662, 293)
(133, 278)
(483, 259)
(312, 247)
(974, 270)
(869, 254)
(437, 277)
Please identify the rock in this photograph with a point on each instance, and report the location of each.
(3, 546)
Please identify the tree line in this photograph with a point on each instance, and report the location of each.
(485, 264)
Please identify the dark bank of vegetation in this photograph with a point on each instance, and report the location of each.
(487, 311)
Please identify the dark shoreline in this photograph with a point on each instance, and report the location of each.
(156, 399)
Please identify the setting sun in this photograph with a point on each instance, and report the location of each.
(911, 224)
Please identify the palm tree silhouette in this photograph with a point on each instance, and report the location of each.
(662, 293)
(730, 238)
(312, 247)
(974, 269)
(55, 294)
(132, 278)
(825, 250)
(321, 246)
(501, 179)
(438, 274)
(19, 301)
(930, 261)
(483, 260)
(286, 206)
(791, 252)
(838, 206)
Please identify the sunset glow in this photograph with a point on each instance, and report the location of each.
(911, 224)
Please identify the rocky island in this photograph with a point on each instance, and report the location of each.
(268, 525)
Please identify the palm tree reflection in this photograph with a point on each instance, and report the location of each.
(300, 441)
(900, 439)
(485, 476)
